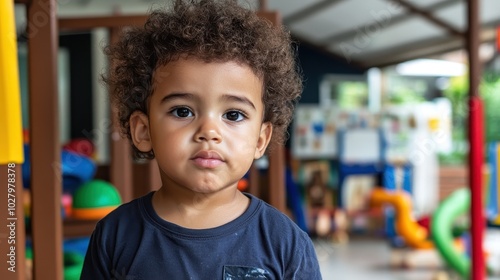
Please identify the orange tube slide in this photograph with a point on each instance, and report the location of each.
(412, 233)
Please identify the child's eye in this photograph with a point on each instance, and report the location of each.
(182, 112)
(235, 116)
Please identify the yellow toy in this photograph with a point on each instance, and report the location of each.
(413, 234)
(11, 142)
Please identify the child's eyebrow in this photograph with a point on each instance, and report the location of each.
(179, 95)
(240, 99)
(224, 98)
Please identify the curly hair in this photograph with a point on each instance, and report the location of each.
(209, 30)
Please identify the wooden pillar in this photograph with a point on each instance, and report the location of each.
(121, 160)
(476, 140)
(263, 5)
(253, 186)
(154, 175)
(146, 177)
(276, 171)
(277, 191)
(46, 177)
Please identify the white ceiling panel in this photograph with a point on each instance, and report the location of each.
(345, 16)
(289, 7)
(455, 15)
(490, 11)
(304, 34)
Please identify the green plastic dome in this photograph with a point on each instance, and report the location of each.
(96, 193)
(73, 265)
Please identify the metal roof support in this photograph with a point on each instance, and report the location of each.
(350, 34)
(430, 17)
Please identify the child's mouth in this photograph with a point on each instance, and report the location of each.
(207, 159)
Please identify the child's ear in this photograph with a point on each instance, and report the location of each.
(139, 131)
(266, 131)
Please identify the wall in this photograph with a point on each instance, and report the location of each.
(316, 63)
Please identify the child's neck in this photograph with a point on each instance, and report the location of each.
(199, 211)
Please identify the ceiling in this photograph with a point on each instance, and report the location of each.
(382, 32)
(365, 32)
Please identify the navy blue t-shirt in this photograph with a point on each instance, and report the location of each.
(133, 242)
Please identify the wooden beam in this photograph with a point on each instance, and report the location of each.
(270, 16)
(276, 170)
(24, 2)
(121, 150)
(351, 34)
(309, 11)
(254, 181)
(46, 167)
(146, 177)
(429, 47)
(263, 5)
(276, 178)
(115, 21)
(472, 44)
(408, 51)
(78, 228)
(154, 175)
(430, 17)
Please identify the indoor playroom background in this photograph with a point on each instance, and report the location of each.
(377, 168)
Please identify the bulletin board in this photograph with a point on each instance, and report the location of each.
(315, 129)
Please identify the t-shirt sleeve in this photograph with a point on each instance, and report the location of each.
(97, 262)
(305, 262)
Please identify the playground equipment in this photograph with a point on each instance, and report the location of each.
(407, 227)
(81, 146)
(76, 169)
(11, 149)
(396, 177)
(453, 206)
(73, 265)
(10, 96)
(493, 198)
(441, 235)
(94, 200)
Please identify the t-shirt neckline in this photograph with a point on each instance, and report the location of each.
(146, 205)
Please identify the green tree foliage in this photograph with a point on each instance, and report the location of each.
(458, 94)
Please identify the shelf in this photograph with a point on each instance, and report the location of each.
(78, 228)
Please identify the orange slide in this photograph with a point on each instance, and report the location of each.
(412, 233)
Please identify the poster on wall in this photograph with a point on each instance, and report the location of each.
(314, 132)
(315, 129)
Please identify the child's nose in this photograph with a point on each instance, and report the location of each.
(208, 131)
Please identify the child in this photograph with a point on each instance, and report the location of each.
(203, 88)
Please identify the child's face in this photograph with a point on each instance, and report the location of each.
(205, 124)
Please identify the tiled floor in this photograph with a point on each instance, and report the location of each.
(363, 259)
